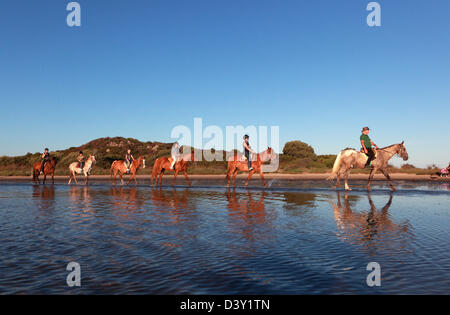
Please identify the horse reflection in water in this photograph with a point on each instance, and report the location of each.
(372, 229)
(81, 202)
(127, 201)
(248, 216)
(44, 197)
(174, 210)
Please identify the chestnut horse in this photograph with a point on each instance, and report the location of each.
(75, 169)
(235, 165)
(163, 163)
(49, 169)
(120, 167)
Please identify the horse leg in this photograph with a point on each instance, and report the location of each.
(262, 178)
(87, 180)
(372, 173)
(250, 174)
(229, 174)
(346, 173)
(187, 178)
(129, 179)
(235, 172)
(53, 178)
(386, 174)
(174, 177)
(114, 177)
(160, 177)
(37, 177)
(45, 177)
(75, 177)
(338, 179)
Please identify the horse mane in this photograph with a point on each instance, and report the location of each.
(389, 146)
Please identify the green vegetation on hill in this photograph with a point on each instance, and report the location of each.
(297, 157)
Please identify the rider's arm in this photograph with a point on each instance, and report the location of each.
(364, 146)
(132, 158)
(248, 147)
(374, 144)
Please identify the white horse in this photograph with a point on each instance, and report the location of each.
(349, 159)
(74, 169)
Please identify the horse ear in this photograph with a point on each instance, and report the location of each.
(403, 142)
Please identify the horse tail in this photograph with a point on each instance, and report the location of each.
(112, 168)
(336, 167)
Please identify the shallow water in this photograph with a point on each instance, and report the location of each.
(295, 238)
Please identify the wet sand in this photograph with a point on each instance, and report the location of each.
(297, 177)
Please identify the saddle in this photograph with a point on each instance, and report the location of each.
(375, 151)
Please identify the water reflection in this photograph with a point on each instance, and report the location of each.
(248, 216)
(44, 197)
(127, 201)
(373, 229)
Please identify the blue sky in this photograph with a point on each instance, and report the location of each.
(139, 68)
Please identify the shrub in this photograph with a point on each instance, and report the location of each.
(299, 149)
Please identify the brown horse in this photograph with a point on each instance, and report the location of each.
(49, 169)
(120, 167)
(163, 163)
(236, 164)
(350, 158)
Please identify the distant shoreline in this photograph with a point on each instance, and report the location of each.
(299, 177)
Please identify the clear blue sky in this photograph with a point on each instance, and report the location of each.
(139, 68)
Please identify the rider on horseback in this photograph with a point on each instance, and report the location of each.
(247, 151)
(367, 144)
(80, 159)
(128, 160)
(175, 155)
(45, 158)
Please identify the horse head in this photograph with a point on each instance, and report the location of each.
(402, 151)
(53, 161)
(141, 161)
(92, 158)
(269, 154)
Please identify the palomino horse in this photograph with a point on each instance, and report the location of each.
(120, 167)
(49, 169)
(163, 163)
(350, 158)
(75, 169)
(235, 165)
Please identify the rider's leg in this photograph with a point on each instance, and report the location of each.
(371, 156)
(249, 161)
